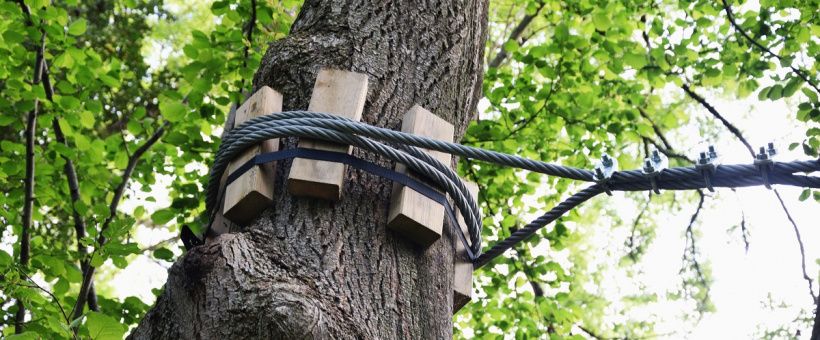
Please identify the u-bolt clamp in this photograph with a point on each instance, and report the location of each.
(652, 168)
(604, 171)
(764, 163)
(707, 165)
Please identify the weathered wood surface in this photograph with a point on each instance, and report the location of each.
(340, 93)
(412, 214)
(252, 193)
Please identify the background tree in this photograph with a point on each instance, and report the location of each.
(89, 121)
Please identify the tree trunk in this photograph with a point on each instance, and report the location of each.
(309, 268)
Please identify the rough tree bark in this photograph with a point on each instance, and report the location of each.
(308, 268)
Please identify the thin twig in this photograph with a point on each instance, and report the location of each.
(515, 35)
(160, 244)
(734, 130)
(743, 228)
(737, 27)
(800, 242)
(251, 26)
(56, 300)
(655, 127)
(692, 250)
(88, 273)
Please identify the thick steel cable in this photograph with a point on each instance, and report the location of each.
(471, 217)
(340, 129)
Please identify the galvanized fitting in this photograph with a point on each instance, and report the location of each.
(604, 171)
(706, 166)
(652, 168)
(764, 163)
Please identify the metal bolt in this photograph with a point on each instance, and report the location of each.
(599, 173)
(703, 159)
(656, 155)
(712, 152)
(762, 155)
(648, 165)
(606, 160)
(772, 151)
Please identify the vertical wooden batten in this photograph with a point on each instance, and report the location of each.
(412, 214)
(252, 192)
(335, 92)
(462, 265)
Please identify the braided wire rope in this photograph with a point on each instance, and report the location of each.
(343, 130)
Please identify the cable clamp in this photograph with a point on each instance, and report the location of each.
(764, 162)
(707, 165)
(604, 171)
(652, 168)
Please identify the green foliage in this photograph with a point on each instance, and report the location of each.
(138, 85)
(584, 78)
(588, 77)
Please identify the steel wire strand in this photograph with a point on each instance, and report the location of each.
(307, 118)
(472, 202)
(531, 228)
(248, 139)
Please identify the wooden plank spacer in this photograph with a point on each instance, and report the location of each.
(462, 265)
(340, 93)
(412, 214)
(252, 192)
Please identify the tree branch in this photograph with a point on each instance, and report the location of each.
(693, 252)
(737, 27)
(515, 35)
(88, 272)
(802, 249)
(28, 196)
(734, 130)
(56, 300)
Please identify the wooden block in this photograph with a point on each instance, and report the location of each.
(340, 93)
(252, 192)
(462, 265)
(412, 214)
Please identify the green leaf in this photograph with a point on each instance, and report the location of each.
(87, 119)
(511, 46)
(101, 210)
(109, 80)
(162, 216)
(103, 327)
(23, 336)
(13, 37)
(636, 61)
(776, 92)
(163, 254)
(173, 111)
(77, 27)
(97, 260)
(804, 195)
(601, 21)
(118, 227)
